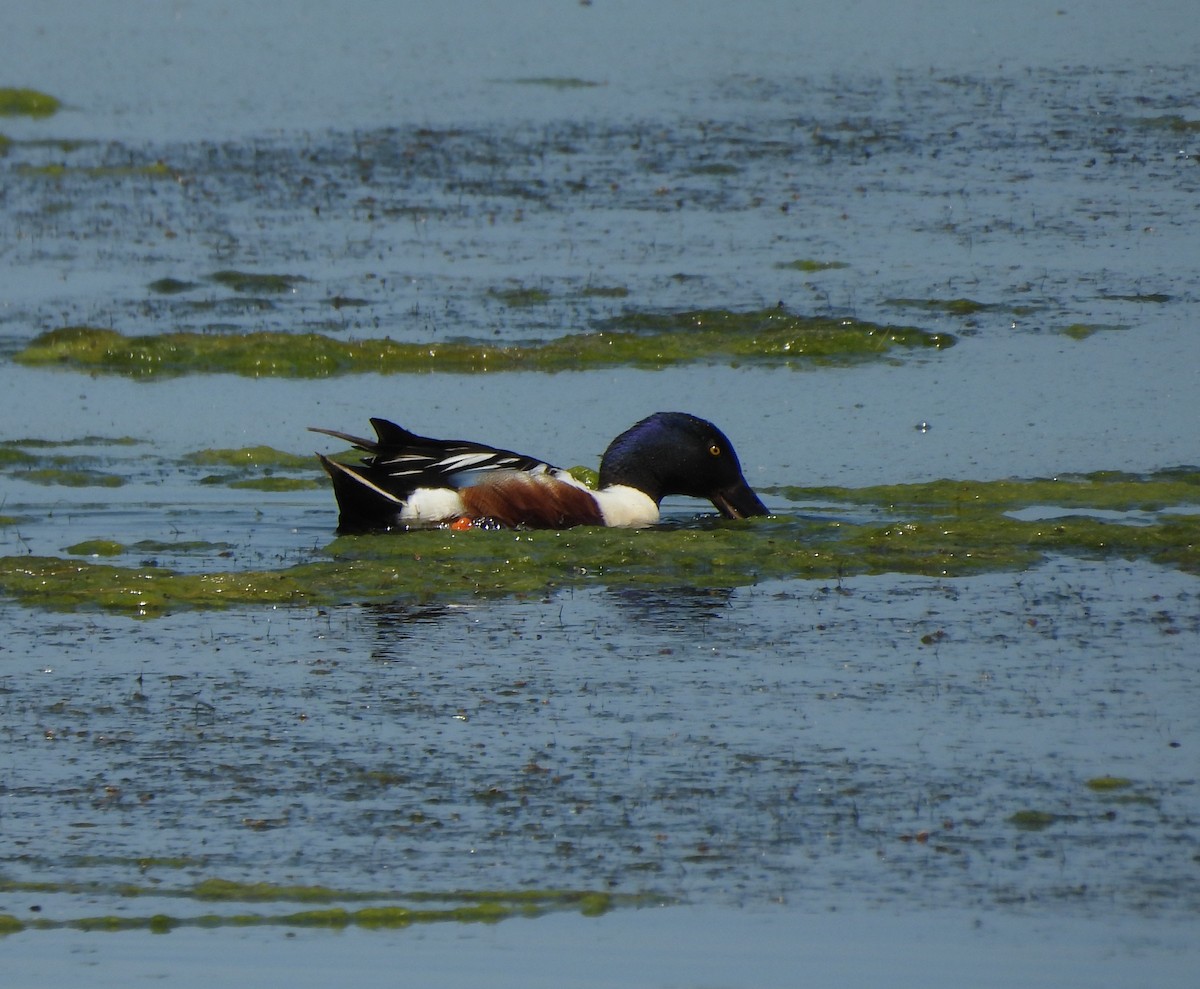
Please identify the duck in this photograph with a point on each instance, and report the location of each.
(408, 481)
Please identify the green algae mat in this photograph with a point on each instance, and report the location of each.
(942, 529)
(322, 907)
(18, 102)
(763, 337)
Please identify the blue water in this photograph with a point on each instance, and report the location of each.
(765, 759)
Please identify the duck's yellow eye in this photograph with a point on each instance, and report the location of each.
(715, 450)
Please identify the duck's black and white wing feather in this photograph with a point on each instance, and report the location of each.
(400, 461)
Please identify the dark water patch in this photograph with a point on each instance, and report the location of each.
(266, 483)
(1150, 297)
(556, 82)
(224, 314)
(252, 282)
(171, 286)
(604, 291)
(714, 168)
(35, 443)
(810, 265)
(519, 296)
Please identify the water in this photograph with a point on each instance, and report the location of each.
(683, 946)
(597, 740)
(817, 775)
(708, 745)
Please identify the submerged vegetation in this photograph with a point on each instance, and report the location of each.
(810, 265)
(519, 297)
(1171, 122)
(941, 529)
(1081, 331)
(953, 307)
(646, 340)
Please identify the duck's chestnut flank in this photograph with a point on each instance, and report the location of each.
(409, 481)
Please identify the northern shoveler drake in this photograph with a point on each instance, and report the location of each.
(411, 481)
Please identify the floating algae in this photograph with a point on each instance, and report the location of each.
(249, 456)
(384, 909)
(1105, 490)
(942, 529)
(16, 102)
(644, 340)
(57, 170)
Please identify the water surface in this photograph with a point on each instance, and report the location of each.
(942, 776)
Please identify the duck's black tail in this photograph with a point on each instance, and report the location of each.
(363, 506)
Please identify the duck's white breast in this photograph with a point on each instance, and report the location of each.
(624, 507)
